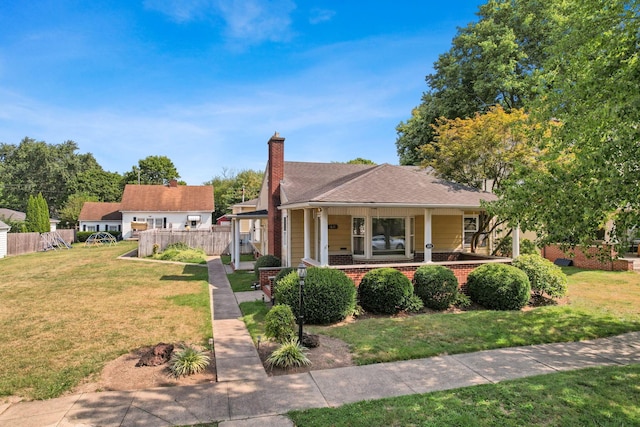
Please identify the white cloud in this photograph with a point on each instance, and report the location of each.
(320, 15)
(247, 22)
(180, 10)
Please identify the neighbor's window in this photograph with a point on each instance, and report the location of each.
(357, 236)
(388, 236)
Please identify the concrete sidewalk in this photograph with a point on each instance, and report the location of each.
(245, 396)
(256, 401)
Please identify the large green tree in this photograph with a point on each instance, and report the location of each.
(233, 187)
(589, 92)
(35, 166)
(70, 212)
(152, 170)
(490, 63)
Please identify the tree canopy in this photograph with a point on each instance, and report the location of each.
(573, 66)
(233, 187)
(589, 84)
(489, 63)
(480, 150)
(152, 170)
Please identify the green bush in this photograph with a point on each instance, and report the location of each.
(290, 354)
(412, 304)
(436, 286)
(188, 361)
(282, 273)
(280, 324)
(178, 246)
(544, 276)
(384, 290)
(265, 261)
(499, 287)
(329, 296)
(190, 255)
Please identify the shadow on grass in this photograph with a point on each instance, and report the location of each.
(189, 272)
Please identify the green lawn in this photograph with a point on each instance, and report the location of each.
(589, 397)
(241, 281)
(66, 313)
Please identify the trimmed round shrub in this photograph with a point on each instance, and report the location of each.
(280, 324)
(265, 261)
(545, 277)
(436, 286)
(384, 291)
(329, 295)
(499, 287)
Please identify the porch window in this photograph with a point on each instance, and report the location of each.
(470, 226)
(284, 231)
(357, 236)
(388, 236)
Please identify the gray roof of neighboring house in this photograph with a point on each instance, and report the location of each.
(4, 226)
(18, 216)
(339, 183)
(12, 215)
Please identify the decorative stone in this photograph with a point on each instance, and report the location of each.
(158, 355)
(310, 340)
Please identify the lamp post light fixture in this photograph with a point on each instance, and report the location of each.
(302, 274)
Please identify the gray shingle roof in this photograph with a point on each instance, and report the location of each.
(373, 184)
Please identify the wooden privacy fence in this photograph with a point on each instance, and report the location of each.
(212, 242)
(24, 243)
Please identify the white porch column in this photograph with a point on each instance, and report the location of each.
(515, 250)
(307, 233)
(236, 242)
(428, 245)
(324, 237)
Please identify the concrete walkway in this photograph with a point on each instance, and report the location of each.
(246, 397)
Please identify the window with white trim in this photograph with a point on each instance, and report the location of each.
(284, 231)
(470, 227)
(388, 236)
(358, 235)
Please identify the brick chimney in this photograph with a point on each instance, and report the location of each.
(275, 174)
(173, 183)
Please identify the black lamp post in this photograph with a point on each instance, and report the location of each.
(302, 274)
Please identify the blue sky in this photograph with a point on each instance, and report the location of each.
(207, 82)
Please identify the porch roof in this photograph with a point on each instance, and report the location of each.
(261, 214)
(324, 184)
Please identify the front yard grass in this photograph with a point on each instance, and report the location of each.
(241, 281)
(66, 313)
(596, 396)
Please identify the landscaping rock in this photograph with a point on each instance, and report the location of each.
(157, 355)
(310, 340)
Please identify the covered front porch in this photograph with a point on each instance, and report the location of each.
(342, 235)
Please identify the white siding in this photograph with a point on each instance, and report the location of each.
(175, 220)
(3, 243)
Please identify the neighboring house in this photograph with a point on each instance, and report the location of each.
(336, 214)
(100, 216)
(4, 229)
(10, 214)
(176, 207)
(249, 232)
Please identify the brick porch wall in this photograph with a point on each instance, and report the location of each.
(461, 269)
(588, 261)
